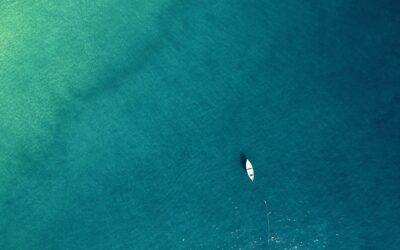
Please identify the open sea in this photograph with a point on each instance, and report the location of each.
(122, 124)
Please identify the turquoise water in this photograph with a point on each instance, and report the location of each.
(122, 124)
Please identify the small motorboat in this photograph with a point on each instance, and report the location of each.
(250, 170)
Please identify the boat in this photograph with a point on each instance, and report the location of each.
(250, 170)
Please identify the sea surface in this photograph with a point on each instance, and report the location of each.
(122, 124)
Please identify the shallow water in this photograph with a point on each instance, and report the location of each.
(122, 125)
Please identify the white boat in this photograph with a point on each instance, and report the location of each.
(250, 170)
